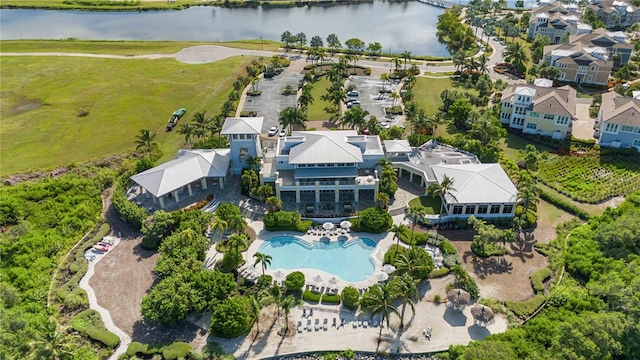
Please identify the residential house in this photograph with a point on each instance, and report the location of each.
(539, 110)
(579, 63)
(619, 121)
(614, 42)
(556, 21)
(615, 13)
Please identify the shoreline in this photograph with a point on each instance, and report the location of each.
(144, 6)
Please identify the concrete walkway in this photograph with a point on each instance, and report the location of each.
(125, 339)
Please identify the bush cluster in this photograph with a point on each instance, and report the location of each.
(372, 220)
(311, 297)
(350, 297)
(330, 299)
(539, 277)
(294, 281)
(173, 351)
(89, 323)
(438, 273)
(285, 220)
(465, 282)
(128, 210)
(200, 204)
(231, 318)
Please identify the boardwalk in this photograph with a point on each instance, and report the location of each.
(438, 3)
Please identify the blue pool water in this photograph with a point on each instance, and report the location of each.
(350, 261)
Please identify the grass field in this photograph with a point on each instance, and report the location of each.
(44, 99)
(124, 47)
(430, 203)
(316, 110)
(427, 92)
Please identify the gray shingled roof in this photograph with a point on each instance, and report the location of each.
(559, 101)
(620, 110)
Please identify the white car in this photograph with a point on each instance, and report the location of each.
(283, 133)
(273, 131)
(353, 93)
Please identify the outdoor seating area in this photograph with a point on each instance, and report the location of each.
(331, 229)
(316, 324)
(249, 272)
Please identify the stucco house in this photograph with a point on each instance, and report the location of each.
(613, 42)
(615, 13)
(540, 110)
(556, 21)
(579, 63)
(619, 121)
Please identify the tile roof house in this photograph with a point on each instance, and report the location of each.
(619, 121)
(615, 13)
(539, 110)
(579, 62)
(613, 42)
(555, 21)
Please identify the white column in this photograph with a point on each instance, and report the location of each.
(175, 195)
(221, 182)
(356, 192)
(203, 182)
(161, 198)
(377, 188)
(155, 200)
(297, 192)
(261, 177)
(278, 188)
(399, 172)
(337, 190)
(317, 191)
(189, 190)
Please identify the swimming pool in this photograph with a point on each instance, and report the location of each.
(351, 261)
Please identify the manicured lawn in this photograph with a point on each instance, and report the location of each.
(591, 179)
(427, 93)
(513, 143)
(431, 204)
(44, 99)
(124, 47)
(316, 109)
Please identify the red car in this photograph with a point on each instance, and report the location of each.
(100, 248)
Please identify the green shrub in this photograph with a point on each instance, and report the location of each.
(437, 298)
(571, 209)
(294, 281)
(373, 220)
(231, 318)
(350, 297)
(73, 268)
(525, 308)
(230, 261)
(177, 350)
(487, 250)
(285, 220)
(438, 273)
(304, 225)
(311, 296)
(529, 219)
(541, 248)
(136, 348)
(464, 281)
(132, 213)
(447, 248)
(264, 281)
(104, 336)
(393, 252)
(450, 260)
(330, 299)
(539, 277)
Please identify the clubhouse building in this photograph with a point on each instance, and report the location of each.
(335, 169)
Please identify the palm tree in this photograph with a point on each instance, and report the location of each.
(407, 290)
(187, 130)
(249, 179)
(378, 300)
(515, 54)
(416, 213)
(292, 117)
(354, 117)
(410, 263)
(264, 191)
(52, 342)
(263, 259)
(254, 83)
(237, 223)
(383, 200)
(217, 123)
(218, 225)
(482, 63)
(305, 99)
(406, 55)
(274, 203)
(286, 306)
(144, 143)
(394, 96)
(276, 293)
(256, 309)
(201, 124)
(442, 189)
(254, 162)
(458, 59)
(234, 241)
(385, 80)
(398, 231)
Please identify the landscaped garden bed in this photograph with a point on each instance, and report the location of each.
(591, 179)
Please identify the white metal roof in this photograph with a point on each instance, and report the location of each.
(523, 90)
(477, 183)
(325, 147)
(245, 125)
(397, 146)
(546, 83)
(189, 166)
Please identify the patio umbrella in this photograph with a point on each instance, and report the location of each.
(278, 274)
(345, 224)
(382, 277)
(328, 225)
(317, 278)
(458, 297)
(388, 269)
(482, 313)
(333, 280)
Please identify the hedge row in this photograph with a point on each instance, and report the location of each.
(437, 273)
(89, 323)
(176, 350)
(286, 220)
(311, 296)
(132, 213)
(330, 299)
(571, 209)
(525, 308)
(539, 277)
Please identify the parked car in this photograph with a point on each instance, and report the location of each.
(103, 244)
(100, 248)
(273, 131)
(353, 93)
(353, 103)
(283, 133)
(596, 125)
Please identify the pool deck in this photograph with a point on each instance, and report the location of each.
(449, 327)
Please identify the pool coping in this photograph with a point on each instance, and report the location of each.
(309, 272)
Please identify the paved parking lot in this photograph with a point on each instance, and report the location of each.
(369, 88)
(270, 103)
